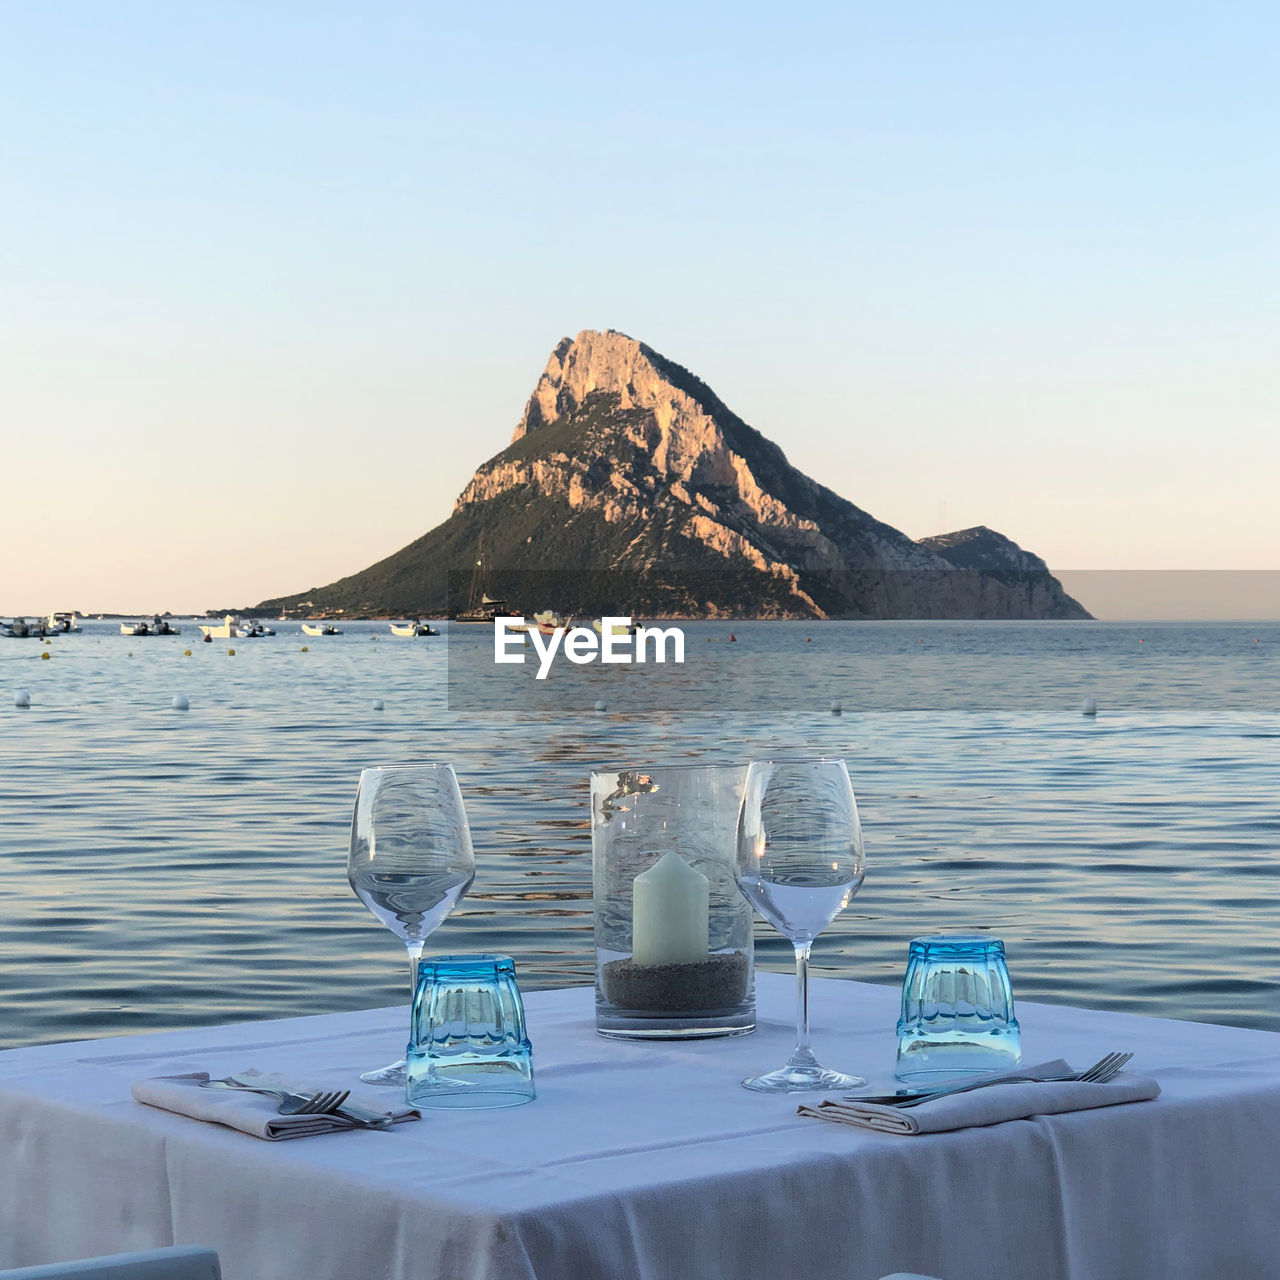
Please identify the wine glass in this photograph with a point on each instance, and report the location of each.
(411, 859)
(799, 862)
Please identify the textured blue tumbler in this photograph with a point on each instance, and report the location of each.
(468, 1046)
(957, 1010)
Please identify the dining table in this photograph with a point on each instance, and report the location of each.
(646, 1160)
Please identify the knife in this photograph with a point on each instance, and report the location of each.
(364, 1117)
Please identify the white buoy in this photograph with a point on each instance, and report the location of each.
(600, 706)
(1090, 708)
(21, 698)
(180, 702)
(837, 707)
(377, 704)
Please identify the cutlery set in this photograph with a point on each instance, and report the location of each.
(324, 1102)
(1104, 1069)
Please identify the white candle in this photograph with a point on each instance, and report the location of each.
(670, 913)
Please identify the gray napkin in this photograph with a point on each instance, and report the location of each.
(992, 1105)
(254, 1113)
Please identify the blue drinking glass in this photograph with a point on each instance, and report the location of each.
(468, 1046)
(957, 1010)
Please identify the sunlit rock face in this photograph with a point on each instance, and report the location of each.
(626, 465)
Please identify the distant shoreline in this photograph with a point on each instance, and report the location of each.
(120, 616)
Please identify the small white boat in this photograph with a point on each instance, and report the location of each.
(62, 624)
(21, 629)
(616, 629)
(320, 629)
(223, 630)
(418, 628)
(252, 630)
(157, 626)
(549, 622)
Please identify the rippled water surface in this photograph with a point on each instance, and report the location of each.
(161, 868)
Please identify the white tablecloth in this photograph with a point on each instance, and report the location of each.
(646, 1161)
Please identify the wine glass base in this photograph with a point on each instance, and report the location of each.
(802, 1079)
(392, 1075)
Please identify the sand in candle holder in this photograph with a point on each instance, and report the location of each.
(697, 986)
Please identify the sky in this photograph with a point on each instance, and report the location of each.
(277, 276)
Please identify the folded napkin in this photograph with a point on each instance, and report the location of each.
(255, 1113)
(993, 1104)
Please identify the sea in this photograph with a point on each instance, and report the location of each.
(165, 868)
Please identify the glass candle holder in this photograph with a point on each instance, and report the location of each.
(674, 949)
(957, 1010)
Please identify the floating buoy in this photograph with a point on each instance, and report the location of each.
(377, 704)
(837, 707)
(808, 639)
(208, 639)
(304, 648)
(1090, 708)
(21, 698)
(45, 655)
(732, 638)
(186, 653)
(231, 653)
(180, 702)
(600, 705)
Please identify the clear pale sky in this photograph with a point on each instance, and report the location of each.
(275, 277)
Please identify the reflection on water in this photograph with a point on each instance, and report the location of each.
(162, 868)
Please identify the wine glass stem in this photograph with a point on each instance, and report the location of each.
(802, 997)
(415, 954)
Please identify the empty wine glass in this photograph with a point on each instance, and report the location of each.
(411, 859)
(799, 862)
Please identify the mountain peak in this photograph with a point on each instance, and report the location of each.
(983, 549)
(607, 395)
(595, 360)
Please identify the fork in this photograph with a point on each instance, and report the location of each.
(362, 1117)
(323, 1103)
(1103, 1070)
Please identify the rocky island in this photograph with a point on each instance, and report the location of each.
(629, 486)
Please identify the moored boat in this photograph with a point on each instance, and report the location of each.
(549, 622)
(21, 629)
(156, 626)
(62, 624)
(320, 629)
(481, 607)
(617, 629)
(418, 628)
(489, 608)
